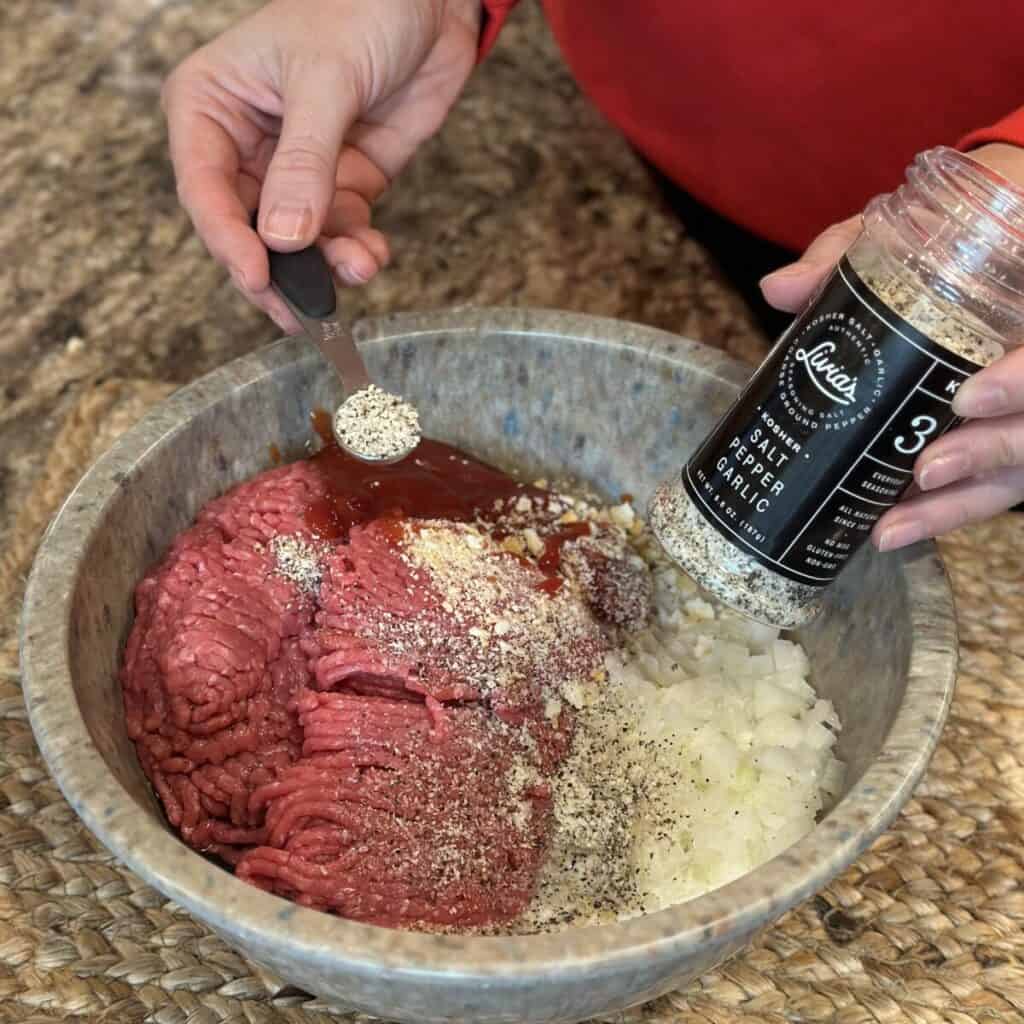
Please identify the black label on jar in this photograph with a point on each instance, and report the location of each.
(824, 437)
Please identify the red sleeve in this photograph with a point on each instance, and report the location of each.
(496, 12)
(1009, 130)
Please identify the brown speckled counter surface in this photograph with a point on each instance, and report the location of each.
(107, 301)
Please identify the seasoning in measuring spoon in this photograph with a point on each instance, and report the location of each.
(377, 425)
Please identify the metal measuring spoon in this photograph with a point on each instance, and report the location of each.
(370, 424)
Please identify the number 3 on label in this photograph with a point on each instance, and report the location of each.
(923, 427)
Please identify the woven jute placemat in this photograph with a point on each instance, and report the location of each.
(926, 927)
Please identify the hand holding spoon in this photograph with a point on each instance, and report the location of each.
(370, 424)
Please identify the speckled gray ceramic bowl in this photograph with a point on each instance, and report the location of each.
(616, 404)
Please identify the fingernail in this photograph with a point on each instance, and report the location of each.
(942, 470)
(980, 399)
(348, 275)
(239, 278)
(288, 221)
(900, 535)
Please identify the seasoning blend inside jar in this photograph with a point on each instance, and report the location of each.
(824, 437)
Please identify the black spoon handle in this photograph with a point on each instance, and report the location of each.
(303, 279)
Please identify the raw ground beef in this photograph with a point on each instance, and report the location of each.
(214, 662)
(377, 743)
(351, 826)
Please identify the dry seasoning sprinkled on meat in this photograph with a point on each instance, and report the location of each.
(519, 636)
(693, 763)
(376, 424)
(588, 875)
(299, 560)
(617, 584)
(467, 714)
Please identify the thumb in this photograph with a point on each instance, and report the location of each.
(791, 287)
(319, 106)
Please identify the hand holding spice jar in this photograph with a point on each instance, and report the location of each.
(841, 417)
(968, 476)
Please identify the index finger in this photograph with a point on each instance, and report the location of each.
(206, 162)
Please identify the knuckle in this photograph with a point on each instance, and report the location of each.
(1007, 449)
(304, 159)
(836, 235)
(960, 514)
(176, 83)
(953, 513)
(170, 86)
(839, 233)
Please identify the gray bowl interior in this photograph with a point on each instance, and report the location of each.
(616, 406)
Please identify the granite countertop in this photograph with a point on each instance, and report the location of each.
(107, 302)
(527, 197)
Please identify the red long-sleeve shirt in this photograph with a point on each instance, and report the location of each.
(788, 115)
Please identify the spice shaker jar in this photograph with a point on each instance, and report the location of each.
(823, 439)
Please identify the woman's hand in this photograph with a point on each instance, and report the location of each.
(973, 472)
(307, 110)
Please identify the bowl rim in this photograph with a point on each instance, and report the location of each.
(264, 921)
